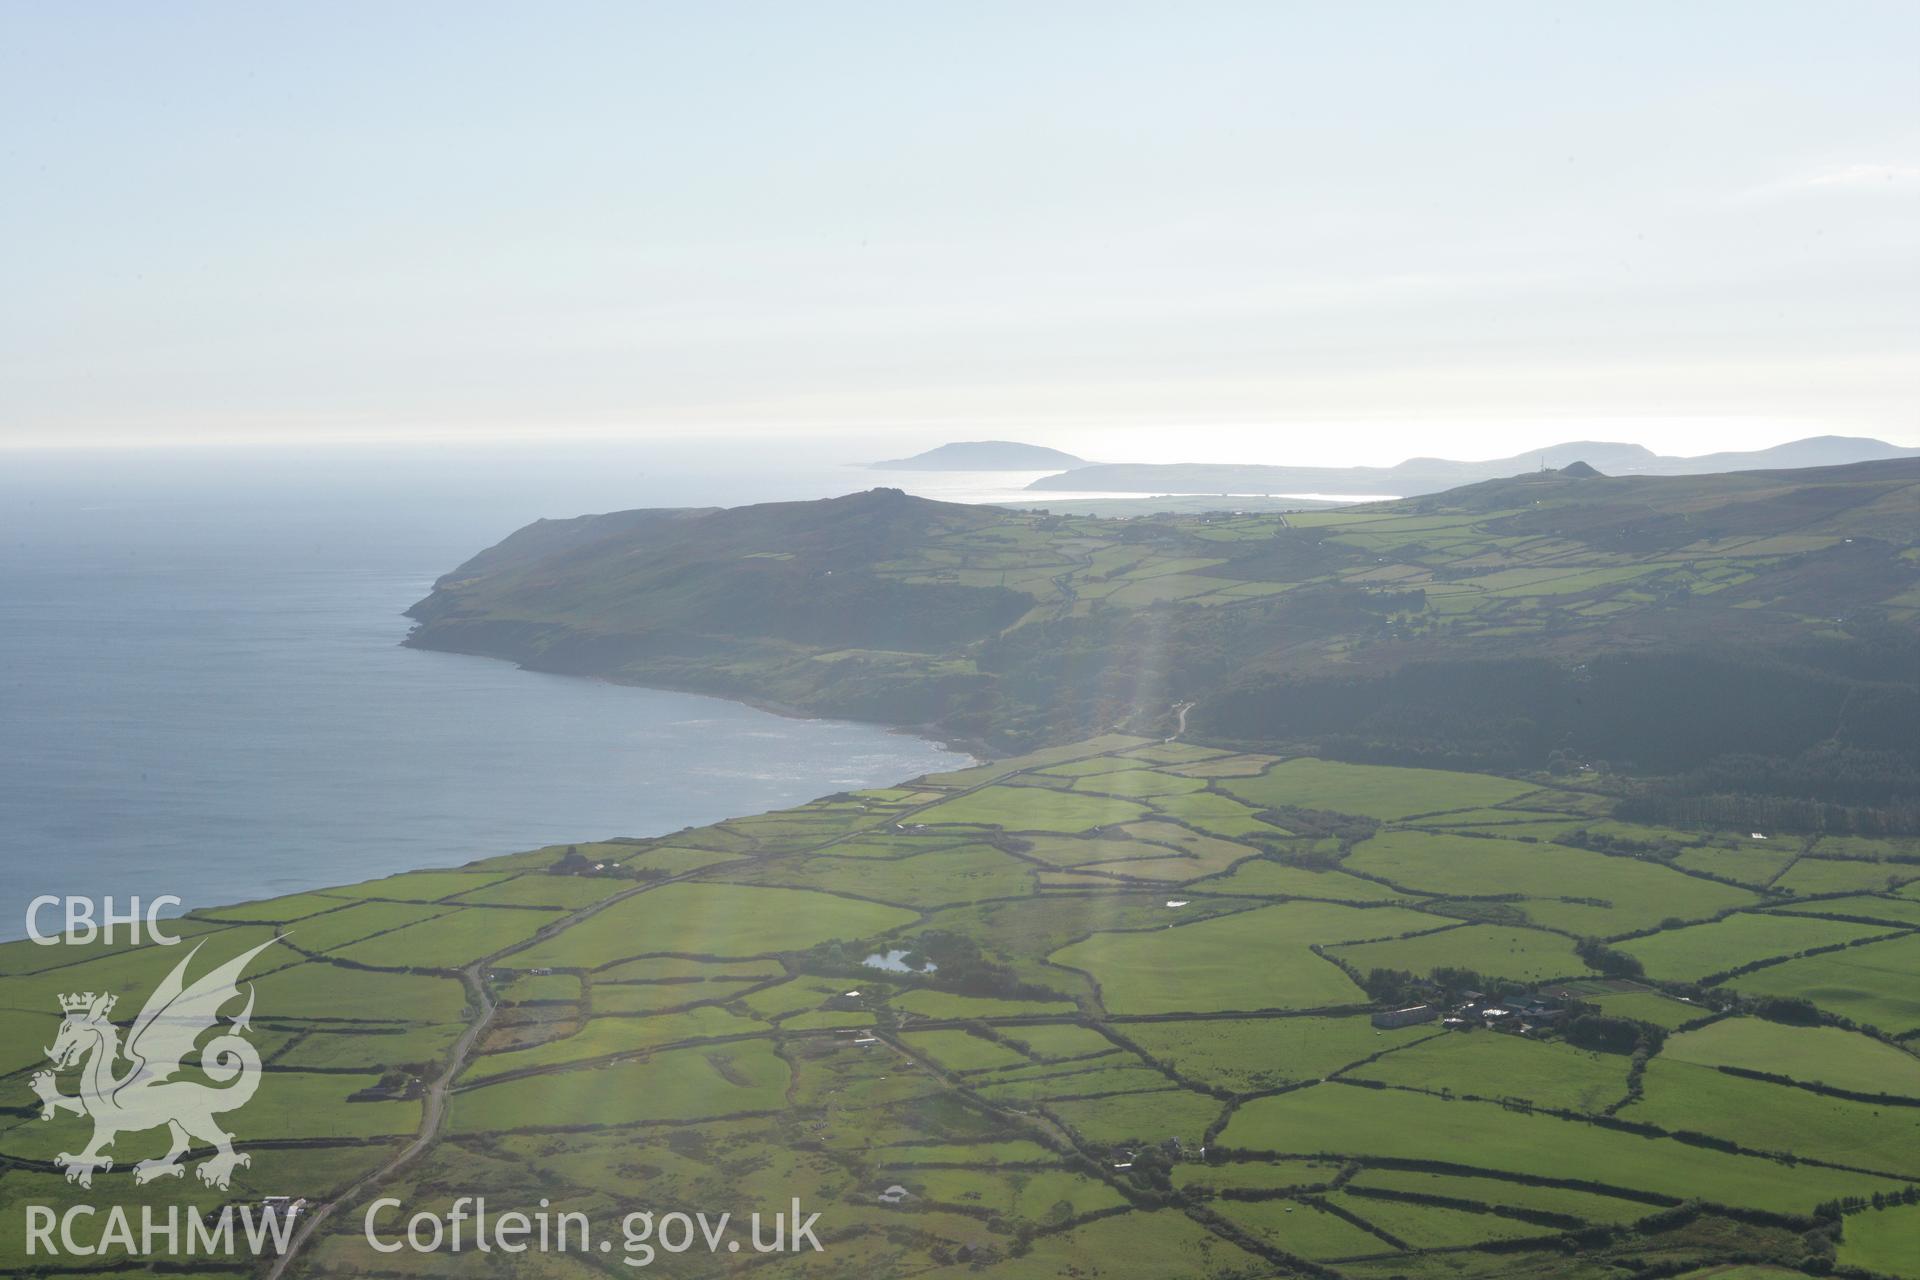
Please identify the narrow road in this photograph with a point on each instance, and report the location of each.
(1181, 710)
(434, 1101)
(433, 1107)
(433, 1104)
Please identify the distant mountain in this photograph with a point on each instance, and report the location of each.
(1418, 476)
(1814, 451)
(985, 455)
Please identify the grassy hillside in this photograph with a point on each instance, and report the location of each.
(1756, 625)
(1144, 1042)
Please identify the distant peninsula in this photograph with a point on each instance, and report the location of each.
(1653, 619)
(1418, 476)
(985, 455)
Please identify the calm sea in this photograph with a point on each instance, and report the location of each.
(202, 693)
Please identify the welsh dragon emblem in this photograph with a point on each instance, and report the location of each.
(143, 1095)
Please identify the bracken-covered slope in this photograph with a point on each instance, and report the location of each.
(1658, 622)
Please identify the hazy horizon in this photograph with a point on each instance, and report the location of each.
(1247, 232)
(1317, 445)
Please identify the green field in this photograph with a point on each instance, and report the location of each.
(606, 1036)
(1509, 1194)
(353, 921)
(1821, 1055)
(1883, 1240)
(1372, 790)
(711, 919)
(1526, 955)
(1687, 955)
(945, 1004)
(1059, 1041)
(1034, 809)
(1254, 1054)
(450, 941)
(677, 1085)
(1046, 1089)
(1205, 965)
(1647, 1006)
(1637, 894)
(1757, 867)
(1048, 1195)
(1892, 909)
(1266, 879)
(1304, 1229)
(1491, 1065)
(1827, 875)
(1338, 1120)
(959, 1051)
(1872, 984)
(967, 873)
(1770, 1117)
(1426, 1226)
(1134, 1246)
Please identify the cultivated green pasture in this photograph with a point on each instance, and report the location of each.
(1816, 1055)
(1828, 875)
(1267, 879)
(968, 873)
(1253, 1054)
(1647, 1006)
(1489, 1064)
(1883, 1240)
(1895, 910)
(1207, 965)
(1757, 867)
(1624, 894)
(450, 941)
(1034, 809)
(959, 1051)
(1524, 955)
(945, 1004)
(1872, 984)
(1771, 1117)
(1135, 1246)
(1372, 790)
(1510, 1194)
(1304, 1230)
(1687, 955)
(1186, 978)
(1427, 1226)
(1340, 1120)
(711, 919)
(679, 1084)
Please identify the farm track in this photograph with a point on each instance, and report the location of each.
(433, 1106)
(434, 1101)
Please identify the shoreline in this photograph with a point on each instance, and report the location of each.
(979, 752)
(13, 930)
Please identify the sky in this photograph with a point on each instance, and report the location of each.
(1284, 232)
